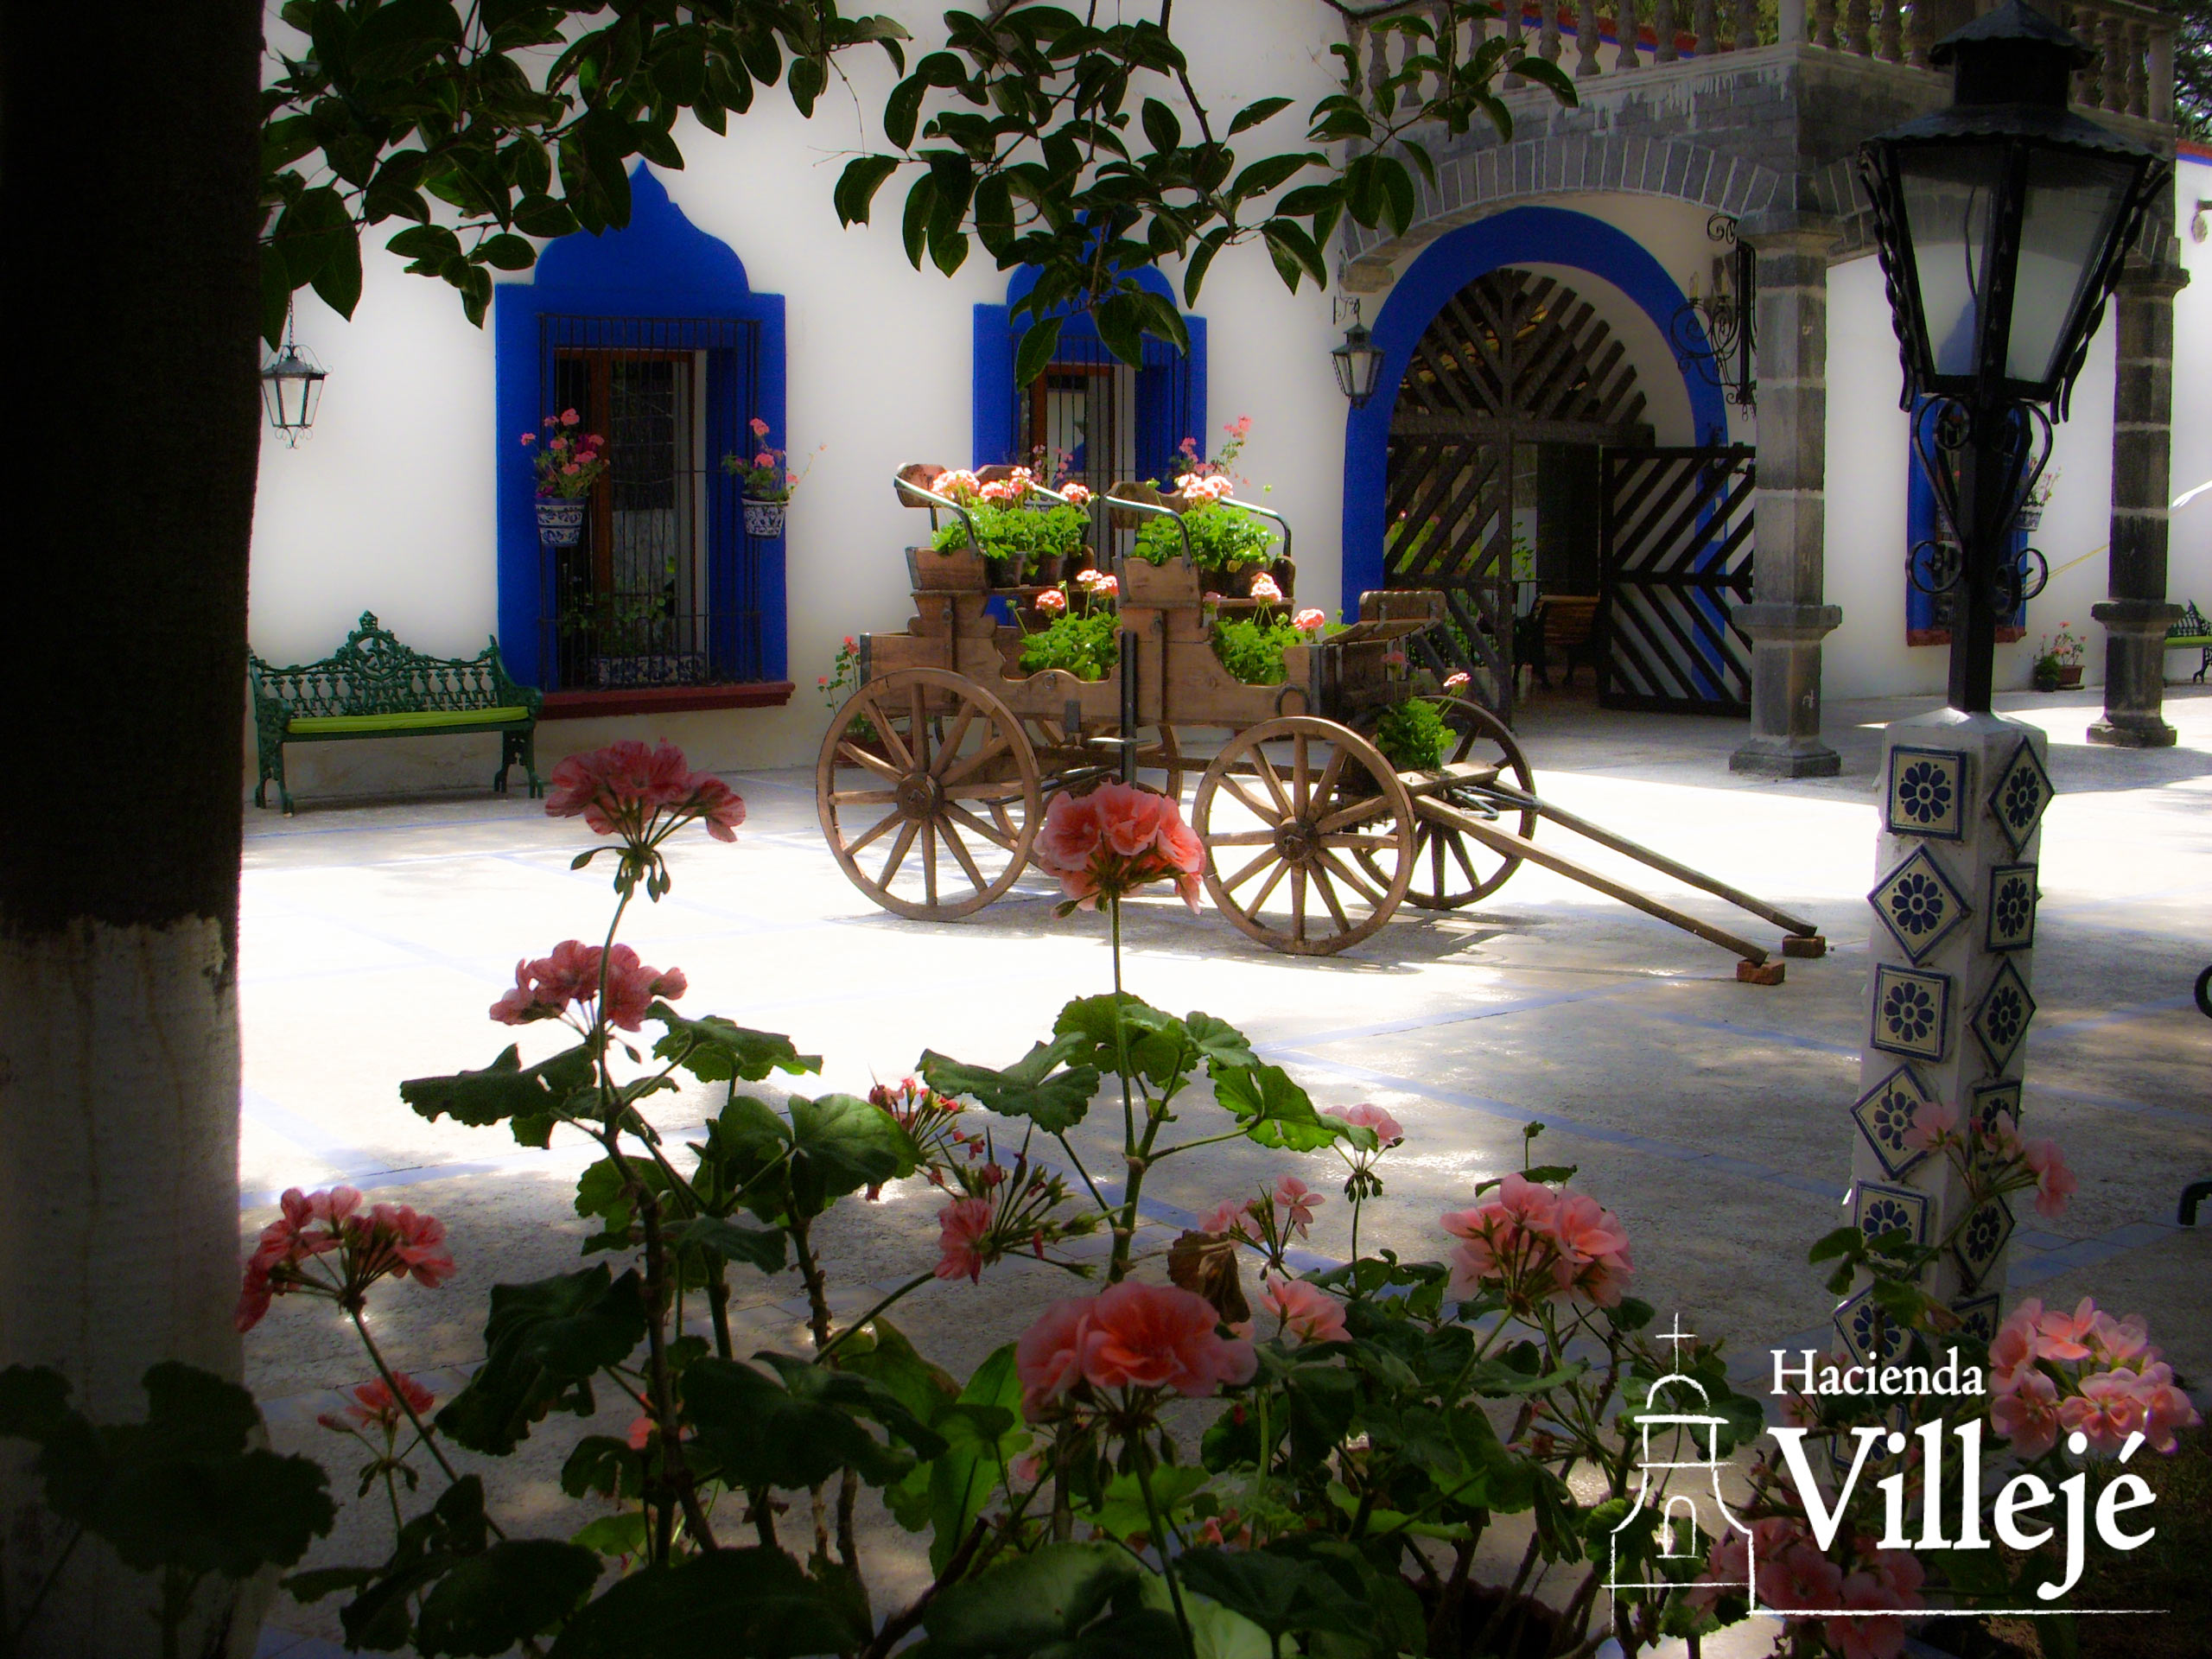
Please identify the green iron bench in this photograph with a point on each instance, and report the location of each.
(373, 686)
(2192, 632)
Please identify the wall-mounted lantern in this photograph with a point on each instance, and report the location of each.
(1359, 359)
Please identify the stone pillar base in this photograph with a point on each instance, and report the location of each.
(2135, 673)
(1785, 740)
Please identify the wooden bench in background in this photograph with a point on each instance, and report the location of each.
(373, 686)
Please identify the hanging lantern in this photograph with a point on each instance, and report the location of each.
(1359, 360)
(291, 386)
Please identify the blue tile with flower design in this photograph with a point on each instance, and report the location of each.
(1980, 1244)
(1918, 905)
(1869, 1336)
(1979, 1316)
(1986, 1103)
(1876, 1209)
(1884, 1116)
(1912, 1012)
(2023, 791)
(2011, 911)
(1926, 793)
(1999, 1022)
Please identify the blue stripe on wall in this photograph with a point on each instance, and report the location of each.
(1524, 236)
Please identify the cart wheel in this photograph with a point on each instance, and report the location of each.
(1287, 834)
(1451, 868)
(928, 793)
(1068, 761)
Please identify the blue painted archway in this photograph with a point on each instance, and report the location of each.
(1524, 236)
(658, 269)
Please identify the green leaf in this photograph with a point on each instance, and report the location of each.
(732, 1241)
(1160, 126)
(841, 1143)
(1282, 1595)
(518, 1589)
(1030, 1603)
(614, 1535)
(714, 1050)
(1275, 1110)
(507, 251)
(338, 281)
(543, 216)
(795, 1430)
(1034, 1087)
(602, 1464)
(757, 1603)
(979, 1447)
(1843, 1241)
(1269, 174)
(183, 1489)
(1159, 1048)
(543, 1343)
(1120, 1509)
(914, 227)
(1038, 342)
(1218, 1043)
(857, 185)
(531, 1096)
(1253, 114)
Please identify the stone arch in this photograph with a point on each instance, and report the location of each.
(1480, 183)
(1522, 237)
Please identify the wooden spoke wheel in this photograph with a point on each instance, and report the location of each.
(929, 793)
(1070, 759)
(1451, 868)
(1309, 835)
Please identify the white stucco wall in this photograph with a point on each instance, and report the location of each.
(1869, 458)
(388, 506)
(2188, 547)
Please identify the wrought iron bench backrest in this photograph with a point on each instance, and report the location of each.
(373, 674)
(2191, 625)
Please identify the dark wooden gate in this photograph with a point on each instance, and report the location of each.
(1674, 561)
(1512, 358)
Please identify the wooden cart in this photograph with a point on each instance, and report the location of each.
(933, 778)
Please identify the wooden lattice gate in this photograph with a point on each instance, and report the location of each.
(1674, 561)
(1512, 358)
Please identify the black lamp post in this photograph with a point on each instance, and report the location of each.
(2002, 222)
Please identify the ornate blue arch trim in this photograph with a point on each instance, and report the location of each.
(1546, 236)
(659, 265)
(991, 419)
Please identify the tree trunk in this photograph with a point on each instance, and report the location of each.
(128, 187)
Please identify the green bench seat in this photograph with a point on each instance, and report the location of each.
(2191, 632)
(373, 686)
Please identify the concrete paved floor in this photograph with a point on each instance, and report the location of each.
(1709, 1114)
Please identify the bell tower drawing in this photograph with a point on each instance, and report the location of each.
(1677, 1413)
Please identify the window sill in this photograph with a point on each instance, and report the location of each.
(664, 700)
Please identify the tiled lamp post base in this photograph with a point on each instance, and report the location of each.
(1949, 998)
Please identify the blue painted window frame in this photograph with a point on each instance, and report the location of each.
(659, 266)
(993, 423)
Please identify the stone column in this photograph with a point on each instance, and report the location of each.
(2137, 615)
(1787, 619)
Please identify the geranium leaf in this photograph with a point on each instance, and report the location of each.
(1034, 1087)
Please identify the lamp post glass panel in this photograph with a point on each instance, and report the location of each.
(2001, 221)
(1358, 362)
(291, 385)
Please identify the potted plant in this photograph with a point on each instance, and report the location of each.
(567, 466)
(2059, 659)
(1080, 639)
(765, 487)
(1017, 543)
(2030, 514)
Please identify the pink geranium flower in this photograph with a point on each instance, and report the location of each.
(642, 794)
(321, 1245)
(1306, 1312)
(2166, 1409)
(1048, 1357)
(1456, 681)
(2107, 1410)
(2027, 1413)
(1052, 601)
(2055, 1183)
(1298, 1202)
(1142, 1336)
(548, 987)
(376, 1407)
(1114, 839)
(2064, 1336)
(1264, 589)
(1310, 620)
(1875, 1636)
(1386, 1130)
(1799, 1578)
(1935, 1123)
(961, 1227)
